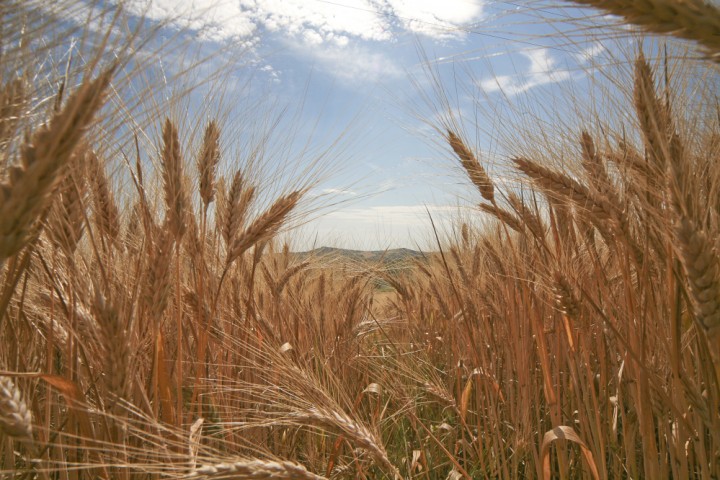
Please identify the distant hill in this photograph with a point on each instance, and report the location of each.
(396, 255)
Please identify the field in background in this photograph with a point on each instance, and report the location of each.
(153, 326)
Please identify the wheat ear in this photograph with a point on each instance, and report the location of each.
(25, 194)
(265, 226)
(176, 198)
(255, 470)
(107, 214)
(694, 20)
(115, 344)
(66, 222)
(555, 183)
(235, 207)
(358, 434)
(503, 215)
(157, 283)
(703, 273)
(653, 117)
(15, 418)
(207, 162)
(475, 172)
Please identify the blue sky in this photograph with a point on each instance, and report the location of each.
(357, 69)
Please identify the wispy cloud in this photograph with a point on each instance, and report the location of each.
(543, 70)
(356, 63)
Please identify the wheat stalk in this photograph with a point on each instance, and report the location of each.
(531, 219)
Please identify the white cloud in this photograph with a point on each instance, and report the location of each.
(214, 20)
(356, 18)
(543, 70)
(435, 18)
(356, 64)
(588, 54)
(314, 21)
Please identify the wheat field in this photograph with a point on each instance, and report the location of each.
(155, 324)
